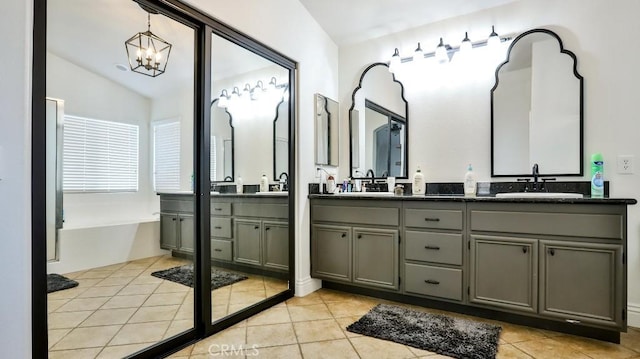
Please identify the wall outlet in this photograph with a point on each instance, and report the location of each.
(625, 164)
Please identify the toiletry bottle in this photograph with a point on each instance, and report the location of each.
(264, 183)
(418, 183)
(331, 184)
(239, 188)
(597, 176)
(345, 182)
(469, 182)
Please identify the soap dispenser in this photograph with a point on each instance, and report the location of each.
(469, 182)
(417, 186)
(264, 183)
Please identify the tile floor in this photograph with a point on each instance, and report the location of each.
(120, 309)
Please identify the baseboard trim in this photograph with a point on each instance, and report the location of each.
(633, 317)
(307, 286)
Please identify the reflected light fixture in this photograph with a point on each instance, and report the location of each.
(223, 100)
(494, 39)
(418, 55)
(148, 54)
(441, 52)
(395, 61)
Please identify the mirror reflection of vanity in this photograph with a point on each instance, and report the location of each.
(221, 143)
(327, 119)
(537, 109)
(378, 120)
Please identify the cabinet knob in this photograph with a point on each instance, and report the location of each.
(268, 228)
(344, 235)
(435, 248)
(431, 281)
(524, 249)
(181, 219)
(552, 252)
(359, 236)
(173, 219)
(432, 219)
(256, 227)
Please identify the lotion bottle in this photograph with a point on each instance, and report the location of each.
(264, 183)
(239, 188)
(597, 176)
(417, 186)
(469, 183)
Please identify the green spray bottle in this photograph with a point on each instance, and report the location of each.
(597, 176)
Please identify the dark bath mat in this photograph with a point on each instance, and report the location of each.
(184, 276)
(56, 282)
(458, 338)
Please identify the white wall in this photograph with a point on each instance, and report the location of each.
(449, 116)
(286, 26)
(15, 178)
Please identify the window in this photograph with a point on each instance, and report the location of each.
(99, 156)
(166, 155)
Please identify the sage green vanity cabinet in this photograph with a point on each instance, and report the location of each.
(221, 230)
(504, 272)
(276, 244)
(433, 249)
(354, 242)
(247, 241)
(581, 283)
(176, 224)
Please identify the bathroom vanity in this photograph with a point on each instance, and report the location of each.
(546, 262)
(248, 231)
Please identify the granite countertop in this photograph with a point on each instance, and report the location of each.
(244, 195)
(490, 198)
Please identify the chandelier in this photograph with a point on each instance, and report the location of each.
(148, 54)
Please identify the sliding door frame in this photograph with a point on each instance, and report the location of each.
(204, 26)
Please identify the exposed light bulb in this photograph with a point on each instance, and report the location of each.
(418, 55)
(465, 46)
(441, 53)
(494, 39)
(394, 63)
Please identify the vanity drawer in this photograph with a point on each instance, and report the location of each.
(220, 209)
(176, 206)
(561, 224)
(221, 249)
(433, 281)
(433, 247)
(221, 227)
(433, 218)
(361, 215)
(262, 210)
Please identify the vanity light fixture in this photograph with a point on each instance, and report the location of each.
(248, 93)
(395, 61)
(443, 52)
(223, 100)
(418, 55)
(148, 54)
(257, 91)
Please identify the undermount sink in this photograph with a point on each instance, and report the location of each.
(538, 195)
(365, 194)
(272, 193)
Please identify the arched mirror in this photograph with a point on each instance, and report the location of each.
(221, 143)
(537, 109)
(378, 120)
(281, 141)
(327, 130)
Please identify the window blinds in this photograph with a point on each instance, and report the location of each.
(166, 155)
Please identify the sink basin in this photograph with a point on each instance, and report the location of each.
(365, 194)
(538, 195)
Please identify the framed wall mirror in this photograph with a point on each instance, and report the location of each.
(281, 140)
(327, 124)
(378, 125)
(221, 166)
(537, 109)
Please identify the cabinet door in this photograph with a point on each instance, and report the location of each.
(375, 257)
(186, 232)
(247, 241)
(168, 231)
(276, 245)
(331, 252)
(582, 282)
(504, 272)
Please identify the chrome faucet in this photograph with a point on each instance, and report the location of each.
(284, 183)
(536, 174)
(373, 175)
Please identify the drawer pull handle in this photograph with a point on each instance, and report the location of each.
(431, 281)
(432, 219)
(344, 235)
(218, 209)
(217, 250)
(217, 227)
(552, 252)
(524, 249)
(435, 248)
(572, 321)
